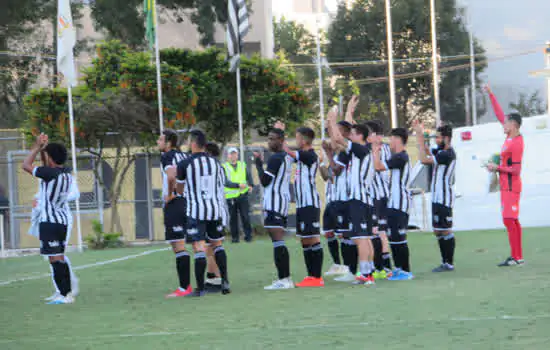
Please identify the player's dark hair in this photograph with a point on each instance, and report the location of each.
(445, 131)
(307, 133)
(279, 132)
(375, 127)
(516, 117)
(57, 152)
(402, 133)
(346, 125)
(213, 149)
(198, 137)
(171, 136)
(362, 129)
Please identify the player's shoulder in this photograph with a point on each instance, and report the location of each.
(404, 155)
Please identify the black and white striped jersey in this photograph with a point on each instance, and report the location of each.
(400, 171)
(361, 175)
(203, 177)
(305, 187)
(277, 192)
(169, 159)
(340, 182)
(55, 188)
(443, 177)
(380, 188)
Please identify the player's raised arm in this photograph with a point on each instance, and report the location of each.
(422, 154)
(378, 163)
(496, 106)
(352, 105)
(41, 142)
(337, 139)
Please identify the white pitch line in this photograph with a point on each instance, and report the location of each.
(334, 326)
(82, 267)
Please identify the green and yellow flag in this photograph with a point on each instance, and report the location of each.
(150, 25)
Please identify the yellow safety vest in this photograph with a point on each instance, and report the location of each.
(237, 176)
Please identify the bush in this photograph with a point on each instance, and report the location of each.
(102, 240)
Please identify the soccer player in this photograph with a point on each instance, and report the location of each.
(276, 182)
(174, 208)
(509, 171)
(380, 192)
(443, 160)
(308, 206)
(399, 200)
(360, 178)
(201, 178)
(334, 219)
(54, 210)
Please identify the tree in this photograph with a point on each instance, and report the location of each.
(358, 33)
(269, 92)
(529, 105)
(119, 96)
(123, 19)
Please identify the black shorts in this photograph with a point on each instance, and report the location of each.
(336, 218)
(204, 230)
(175, 220)
(442, 217)
(398, 221)
(308, 222)
(373, 218)
(52, 238)
(360, 219)
(381, 209)
(274, 220)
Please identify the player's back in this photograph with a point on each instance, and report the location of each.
(443, 176)
(202, 186)
(305, 179)
(277, 193)
(511, 155)
(55, 187)
(400, 172)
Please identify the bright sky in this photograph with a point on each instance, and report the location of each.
(506, 27)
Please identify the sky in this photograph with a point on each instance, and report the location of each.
(505, 27)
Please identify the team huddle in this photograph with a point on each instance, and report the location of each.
(365, 219)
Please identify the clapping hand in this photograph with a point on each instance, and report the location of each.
(279, 125)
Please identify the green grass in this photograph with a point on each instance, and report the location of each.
(122, 305)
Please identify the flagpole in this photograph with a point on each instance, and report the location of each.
(157, 59)
(320, 77)
(389, 38)
(435, 64)
(75, 168)
(240, 111)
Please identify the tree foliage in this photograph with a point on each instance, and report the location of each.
(358, 34)
(529, 105)
(269, 92)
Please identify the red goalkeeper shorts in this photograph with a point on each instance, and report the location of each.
(509, 202)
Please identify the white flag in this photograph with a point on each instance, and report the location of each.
(66, 40)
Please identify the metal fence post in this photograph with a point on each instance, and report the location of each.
(150, 204)
(12, 186)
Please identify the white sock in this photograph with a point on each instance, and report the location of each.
(364, 267)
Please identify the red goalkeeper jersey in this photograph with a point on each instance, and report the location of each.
(511, 155)
(509, 170)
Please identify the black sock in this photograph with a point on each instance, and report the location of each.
(308, 259)
(403, 253)
(282, 259)
(396, 256)
(317, 260)
(377, 245)
(210, 275)
(344, 247)
(62, 277)
(386, 261)
(183, 267)
(200, 267)
(441, 244)
(221, 261)
(354, 257)
(449, 244)
(334, 249)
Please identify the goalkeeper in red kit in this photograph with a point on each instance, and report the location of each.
(509, 171)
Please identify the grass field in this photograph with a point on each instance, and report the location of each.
(122, 304)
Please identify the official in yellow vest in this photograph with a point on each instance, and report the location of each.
(237, 198)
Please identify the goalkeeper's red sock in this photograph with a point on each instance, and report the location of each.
(511, 227)
(518, 240)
